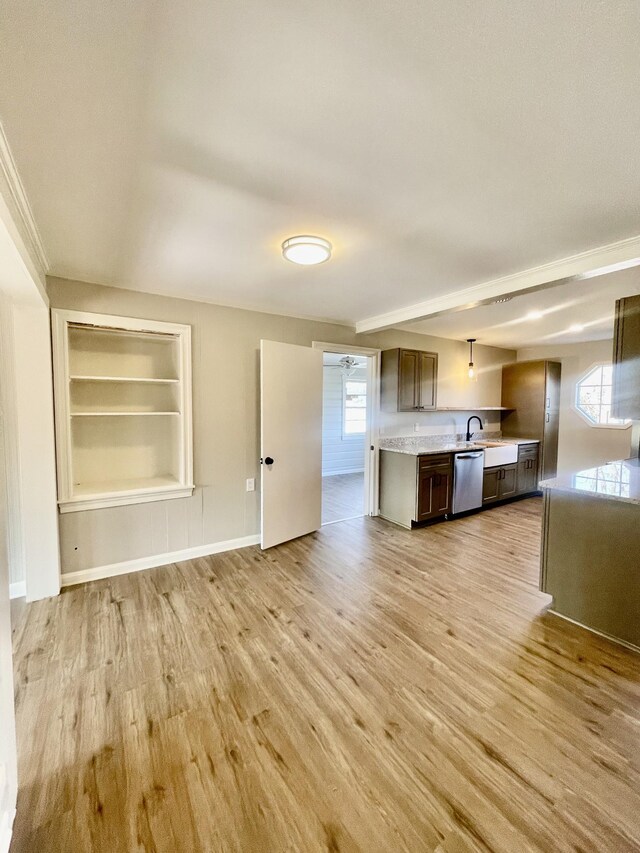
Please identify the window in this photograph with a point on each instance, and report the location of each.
(354, 408)
(593, 397)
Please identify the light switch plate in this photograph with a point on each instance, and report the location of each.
(251, 484)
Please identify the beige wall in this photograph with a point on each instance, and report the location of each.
(580, 445)
(226, 419)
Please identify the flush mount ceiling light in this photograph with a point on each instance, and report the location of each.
(306, 250)
(473, 374)
(576, 328)
(535, 315)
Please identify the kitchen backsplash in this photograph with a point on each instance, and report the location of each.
(440, 424)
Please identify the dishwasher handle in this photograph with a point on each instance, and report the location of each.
(469, 455)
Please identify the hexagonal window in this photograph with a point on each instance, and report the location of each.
(593, 397)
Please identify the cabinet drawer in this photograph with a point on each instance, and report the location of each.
(527, 450)
(435, 461)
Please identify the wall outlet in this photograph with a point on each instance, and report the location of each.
(251, 484)
(416, 427)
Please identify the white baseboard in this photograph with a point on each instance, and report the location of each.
(6, 830)
(18, 589)
(346, 471)
(99, 572)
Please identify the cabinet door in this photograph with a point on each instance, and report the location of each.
(442, 491)
(626, 359)
(426, 496)
(551, 426)
(508, 481)
(434, 492)
(528, 474)
(428, 368)
(408, 380)
(490, 485)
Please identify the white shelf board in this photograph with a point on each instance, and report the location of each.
(106, 493)
(118, 414)
(78, 378)
(116, 487)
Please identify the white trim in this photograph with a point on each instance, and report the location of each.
(18, 589)
(6, 830)
(126, 498)
(372, 436)
(576, 408)
(128, 566)
(594, 262)
(21, 202)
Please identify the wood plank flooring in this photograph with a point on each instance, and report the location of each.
(366, 688)
(342, 497)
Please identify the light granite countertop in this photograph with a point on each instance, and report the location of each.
(615, 481)
(422, 445)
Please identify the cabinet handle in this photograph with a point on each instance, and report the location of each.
(548, 402)
(547, 417)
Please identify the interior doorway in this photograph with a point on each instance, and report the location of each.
(347, 434)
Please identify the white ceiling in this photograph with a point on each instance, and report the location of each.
(589, 304)
(172, 146)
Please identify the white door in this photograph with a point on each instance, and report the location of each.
(290, 441)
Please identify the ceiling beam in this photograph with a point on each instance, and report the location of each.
(604, 259)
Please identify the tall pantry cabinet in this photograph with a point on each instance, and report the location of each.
(531, 391)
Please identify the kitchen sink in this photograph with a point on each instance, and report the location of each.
(498, 453)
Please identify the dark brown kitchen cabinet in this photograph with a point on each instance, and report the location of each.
(527, 468)
(500, 483)
(408, 380)
(626, 359)
(531, 393)
(434, 490)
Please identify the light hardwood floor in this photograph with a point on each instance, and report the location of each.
(342, 497)
(366, 688)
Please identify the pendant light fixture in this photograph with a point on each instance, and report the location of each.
(473, 373)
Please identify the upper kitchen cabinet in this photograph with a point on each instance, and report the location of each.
(626, 359)
(409, 380)
(531, 393)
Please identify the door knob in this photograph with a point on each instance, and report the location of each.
(268, 460)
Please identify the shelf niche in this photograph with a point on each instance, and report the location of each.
(123, 410)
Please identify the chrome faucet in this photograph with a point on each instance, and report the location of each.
(472, 418)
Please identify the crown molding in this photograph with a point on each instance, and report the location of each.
(21, 202)
(589, 264)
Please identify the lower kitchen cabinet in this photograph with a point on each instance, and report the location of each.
(415, 489)
(527, 468)
(435, 487)
(500, 483)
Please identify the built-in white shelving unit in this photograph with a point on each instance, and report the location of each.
(123, 410)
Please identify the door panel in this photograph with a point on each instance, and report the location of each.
(490, 484)
(442, 492)
(508, 482)
(427, 376)
(425, 494)
(408, 371)
(291, 435)
(528, 474)
(549, 466)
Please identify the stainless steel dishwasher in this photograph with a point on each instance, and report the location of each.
(468, 471)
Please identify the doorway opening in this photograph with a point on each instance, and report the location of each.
(346, 435)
